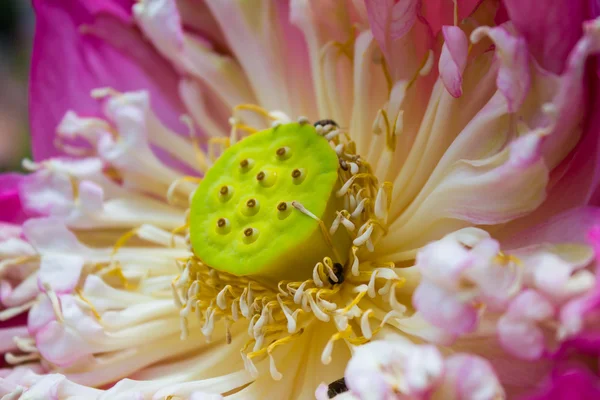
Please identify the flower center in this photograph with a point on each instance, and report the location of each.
(277, 226)
(260, 208)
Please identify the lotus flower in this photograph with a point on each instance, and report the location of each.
(258, 199)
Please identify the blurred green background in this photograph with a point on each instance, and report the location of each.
(16, 32)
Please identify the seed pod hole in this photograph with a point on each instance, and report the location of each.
(298, 175)
(246, 164)
(250, 207)
(250, 235)
(223, 226)
(283, 153)
(225, 192)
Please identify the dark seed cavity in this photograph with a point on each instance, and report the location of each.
(336, 387)
(251, 203)
(282, 206)
(296, 173)
(244, 163)
(324, 122)
(338, 271)
(281, 151)
(221, 222)
(260, 176)
(248, 232)
(224, 190)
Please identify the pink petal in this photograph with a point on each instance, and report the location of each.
(444, 309)
(470, 377)
(10, 203)
(550, 32)
(7, 335)
(453, 59)
(517, 329)
(391, 20)
(513, 77)
(567, 227)
(574, 383)
(67, 44)
(441, 12)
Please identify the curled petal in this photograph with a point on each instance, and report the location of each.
(453, 59)
(513, 77)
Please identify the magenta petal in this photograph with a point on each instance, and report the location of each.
(71, 57)
(551, 32)
(441, 12)
(575, 383)
(11, 209)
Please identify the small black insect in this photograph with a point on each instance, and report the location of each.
(324, 122)
(338, 270)
(337, 387)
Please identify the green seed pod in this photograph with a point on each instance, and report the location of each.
(249, 191)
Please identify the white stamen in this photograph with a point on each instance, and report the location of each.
(243, 305)
(273, 369)
(377, 123)
(397, 306)
(209, 324)
(326, 355)
(362, 239)
(249, 365)
(353, 168)
(183, 327)
(348, 224)
(341, 322)
(299, 293)
(291, 318)
(302, 120)
(316, 277)
(332, 134)
(253, 320)
(364, 324)
(355, 262)
(303, 210)
(399, 124)
(335, 224)
(320, 314)
(359, 209)
(234, 311)
(14, 311)
(221, 301)
(428, 64)
(344, 189)
(381, 205)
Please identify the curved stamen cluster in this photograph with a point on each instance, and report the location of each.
(276, 314)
